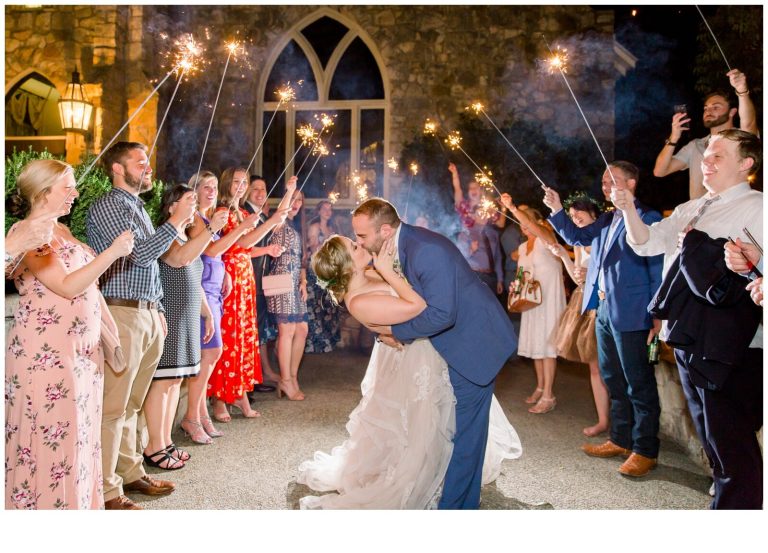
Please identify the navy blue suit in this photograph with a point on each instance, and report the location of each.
(468, 327)
(622, 324)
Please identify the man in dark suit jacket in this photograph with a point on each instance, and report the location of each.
(466, 325)
(620, 284)
(255, 200)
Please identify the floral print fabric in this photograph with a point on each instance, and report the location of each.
(53, 394)
(239, 366)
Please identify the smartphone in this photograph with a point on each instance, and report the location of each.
(681, 108)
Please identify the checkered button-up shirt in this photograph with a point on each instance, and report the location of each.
(136, 276)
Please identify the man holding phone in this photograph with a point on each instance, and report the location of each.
(718, 116)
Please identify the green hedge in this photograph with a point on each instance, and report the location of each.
(96, 184)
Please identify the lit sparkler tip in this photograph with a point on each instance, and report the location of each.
(333, 197)
(477, 107)
(307, 134)
(430, 127)
(286, 93)
(188, 54)
(326, 120)
(559, 60)
(232, 46)
(453, 140)
(321, 149)
(414, 168)
(392, 164)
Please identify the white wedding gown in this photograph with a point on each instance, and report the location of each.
(400, 437)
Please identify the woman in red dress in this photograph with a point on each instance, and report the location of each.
(239, 366)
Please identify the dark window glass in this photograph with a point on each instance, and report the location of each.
(292, 66)
(273, 158)
(357, 76)
(372, 150)
(324, 35)
(322, 176)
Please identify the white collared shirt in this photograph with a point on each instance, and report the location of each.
(397, 242)
(737, 208)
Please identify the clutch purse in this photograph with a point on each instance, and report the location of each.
(275, 285)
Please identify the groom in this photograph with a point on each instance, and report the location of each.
(465, 323)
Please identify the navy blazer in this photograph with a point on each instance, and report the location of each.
(630, 280)
(465, 322)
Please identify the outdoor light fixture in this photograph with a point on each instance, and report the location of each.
(74, 108)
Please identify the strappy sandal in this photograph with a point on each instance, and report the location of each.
(535, 396)
(210, 429)
(179, 454)
(544, 405)
(163, 460)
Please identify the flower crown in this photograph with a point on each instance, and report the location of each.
(582, 196)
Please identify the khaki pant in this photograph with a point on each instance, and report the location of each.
(141, 337)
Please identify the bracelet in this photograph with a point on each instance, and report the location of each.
(208, 228)
(668, 142)
(745, 93)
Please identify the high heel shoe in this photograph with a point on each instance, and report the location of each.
(298, 389)
(197, 433)
(220, 412)
(210, 429)
(245, 409)
(282, 388)
(544, 405)
(535, 396)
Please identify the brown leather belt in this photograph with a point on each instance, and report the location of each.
(600, 295)
(137, 304)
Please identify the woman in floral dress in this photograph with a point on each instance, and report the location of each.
(324, 323)
(239, 367)
(290, 309)
(53, 361)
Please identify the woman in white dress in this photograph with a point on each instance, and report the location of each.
(538, 325)
(400, 434)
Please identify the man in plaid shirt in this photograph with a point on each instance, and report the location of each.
(132, 290)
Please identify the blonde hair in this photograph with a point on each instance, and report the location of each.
(333, 264)
(199, 179)
(38, 176)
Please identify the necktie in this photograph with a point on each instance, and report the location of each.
(702, 208)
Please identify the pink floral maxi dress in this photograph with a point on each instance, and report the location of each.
(53, 394)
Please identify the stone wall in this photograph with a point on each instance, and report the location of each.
(103, 42)
(437, 59)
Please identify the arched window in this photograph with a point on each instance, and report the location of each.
(333, 71)
(32, 115)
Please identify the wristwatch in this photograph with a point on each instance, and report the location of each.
(668, 142)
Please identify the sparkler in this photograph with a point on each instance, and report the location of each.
(327, 121)
(333, 197)
(232, 48)
(414, 168)
(714, 38)
(478, 108)
(285, 94)
(558, 63)
(321, 150)
(393, 165)
(454, 141)
(431, 129)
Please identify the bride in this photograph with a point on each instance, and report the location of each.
(400, 434)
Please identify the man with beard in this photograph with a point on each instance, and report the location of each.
(132, 290)
(718, 116)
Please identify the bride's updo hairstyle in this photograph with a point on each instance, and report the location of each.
(333, 266)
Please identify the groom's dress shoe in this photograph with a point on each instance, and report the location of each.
(637, 465)
(608, 449)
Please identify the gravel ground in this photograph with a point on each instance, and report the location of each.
(254, 465)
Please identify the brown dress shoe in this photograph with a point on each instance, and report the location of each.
(637, 465)
(608, 449)
(121, 503)
(149, 486)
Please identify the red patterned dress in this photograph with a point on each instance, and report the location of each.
(239, 366)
